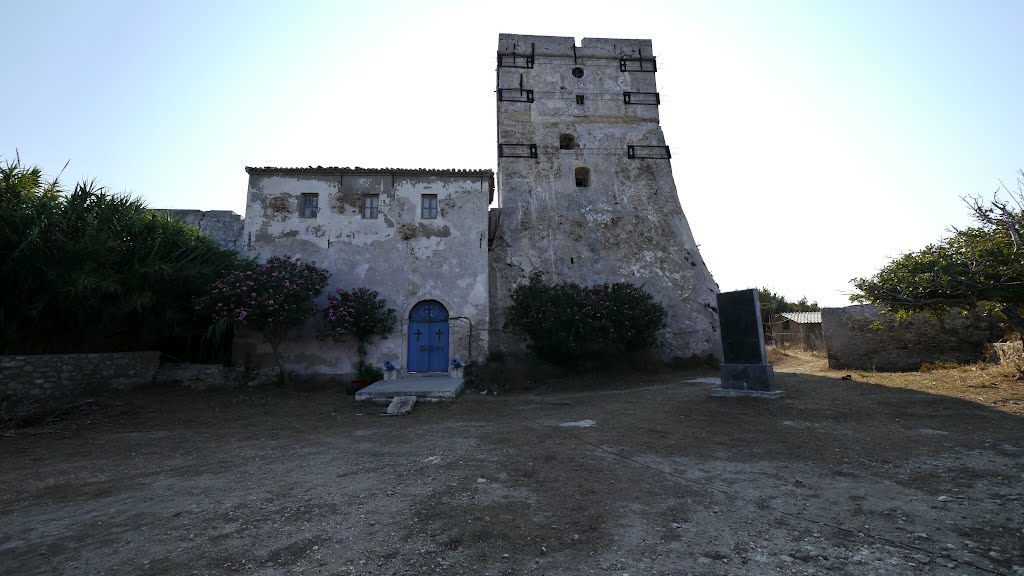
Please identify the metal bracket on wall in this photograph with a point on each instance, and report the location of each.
(638, 63)
(641, 98)
(515, 60)
(515, 94)
(640, 152)
(517, 150)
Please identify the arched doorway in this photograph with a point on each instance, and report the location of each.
(428, 337)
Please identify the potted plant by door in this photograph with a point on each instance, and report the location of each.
(366, 374)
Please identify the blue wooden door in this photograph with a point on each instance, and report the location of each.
(428, 337)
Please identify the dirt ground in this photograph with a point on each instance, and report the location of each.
(617, 474)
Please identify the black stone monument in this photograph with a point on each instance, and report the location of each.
(745, 370)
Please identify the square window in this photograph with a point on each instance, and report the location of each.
(370, 205)
(583, 177)
(308, 208)
(428, 206)
(579, 99)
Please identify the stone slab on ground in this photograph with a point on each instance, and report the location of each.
(400, 405)
(424, 388)
(732, 393)
(705, 380)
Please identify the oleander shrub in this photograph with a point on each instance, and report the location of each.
(273, 298)
(360, 313)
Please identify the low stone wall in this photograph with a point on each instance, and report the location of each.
(53, 375)
(212, 376)
(1010, 353)
(853, 343)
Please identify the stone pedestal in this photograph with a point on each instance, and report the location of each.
(753, 380)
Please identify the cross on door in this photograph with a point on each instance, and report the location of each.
(418, 334)
(439, 333)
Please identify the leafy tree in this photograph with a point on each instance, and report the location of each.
(273, 297)
(90, 271)
(567, 323)
(773, 303)
(978, 266)
(361, 313)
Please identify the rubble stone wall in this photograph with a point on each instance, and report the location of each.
(53, 375)
(860, 337)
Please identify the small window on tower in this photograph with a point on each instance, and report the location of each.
(309, 205)
(579, 99)
(428, 206)
(567, 142)
(583, 177)
(371, 202)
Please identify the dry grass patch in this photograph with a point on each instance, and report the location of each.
(990, 385)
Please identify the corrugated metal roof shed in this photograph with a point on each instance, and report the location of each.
(801, 317)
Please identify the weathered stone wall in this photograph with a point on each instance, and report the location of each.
(224, 226)
(201, 376)
(852, 342)
(625, 223)
(54, 375)
(401, 254)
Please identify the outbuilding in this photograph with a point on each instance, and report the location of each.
(797, 329)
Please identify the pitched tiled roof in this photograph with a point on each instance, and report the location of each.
(358, 170)
(802, 317)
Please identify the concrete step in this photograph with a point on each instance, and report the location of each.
(426, 388)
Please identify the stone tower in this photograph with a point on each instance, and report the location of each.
(585, 184)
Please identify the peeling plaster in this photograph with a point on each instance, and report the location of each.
(401, 256)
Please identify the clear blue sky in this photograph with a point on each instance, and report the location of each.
(812, 141)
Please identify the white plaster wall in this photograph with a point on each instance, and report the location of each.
(404, 257)
(628, 225)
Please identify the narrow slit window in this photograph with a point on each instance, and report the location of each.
(567, 142)
(583, 177)
(308, 209)
(428, 206)
(579, 99)
(371, 204)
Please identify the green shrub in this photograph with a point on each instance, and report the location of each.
(567, 323)
(367, 371)
(83, 269)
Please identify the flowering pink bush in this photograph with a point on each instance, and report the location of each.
(567, 323)
(360, 313)
(273, 298)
